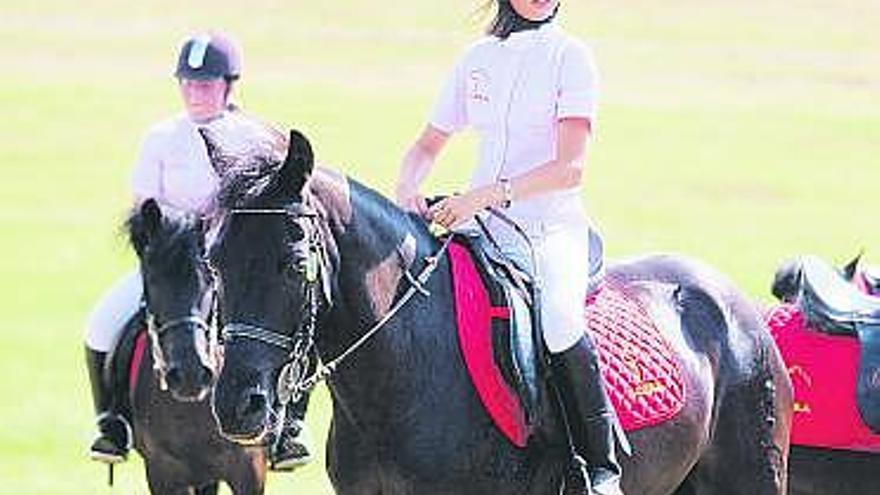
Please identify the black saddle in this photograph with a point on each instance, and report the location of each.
(831, 304)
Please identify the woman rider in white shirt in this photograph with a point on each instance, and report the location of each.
(530, 91)
(173, 167)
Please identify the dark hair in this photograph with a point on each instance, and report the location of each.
(508, 21)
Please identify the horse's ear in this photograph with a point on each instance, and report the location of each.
(144, 224)
(152, 216)
(297, 166)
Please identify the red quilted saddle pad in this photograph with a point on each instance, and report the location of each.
(823, 370)
(643, 378)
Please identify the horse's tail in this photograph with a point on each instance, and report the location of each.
(753, 390)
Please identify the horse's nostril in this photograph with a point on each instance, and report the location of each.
(253, 404)
(173, 377)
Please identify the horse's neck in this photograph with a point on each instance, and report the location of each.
(372, 245)
(375, 249)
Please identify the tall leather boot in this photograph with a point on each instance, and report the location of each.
(590, 416)
(293, 447)
(114, 433)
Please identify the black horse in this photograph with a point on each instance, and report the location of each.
(305, 258)
(174, 430)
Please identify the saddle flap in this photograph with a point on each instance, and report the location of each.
(868, 383)
(118, 369)
(496, 337)
(515, 325)
(523, 347)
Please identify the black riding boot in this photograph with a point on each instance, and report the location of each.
(293, 448)
(114, 433)
(590, 416)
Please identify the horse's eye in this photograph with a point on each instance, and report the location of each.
(295, 233)
(292, 267)
(301, 264)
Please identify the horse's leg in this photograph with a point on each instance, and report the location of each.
(162, 480)
(209, 489)
(247, 472)
(817, 471)
(351, 466)
(686, 488)
(749, 450)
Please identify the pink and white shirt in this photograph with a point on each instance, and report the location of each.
(173, 165)
(513, 92)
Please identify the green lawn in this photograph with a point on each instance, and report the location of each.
(740, 133)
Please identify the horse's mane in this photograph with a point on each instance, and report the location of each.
(248, 184)
(382, 205)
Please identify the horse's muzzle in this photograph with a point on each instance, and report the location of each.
(246, 421)
(189, 383)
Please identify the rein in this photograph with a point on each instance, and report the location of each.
(324, 371)
(292, 380)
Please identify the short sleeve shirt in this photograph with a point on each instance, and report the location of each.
(173, 165)
(514, 92)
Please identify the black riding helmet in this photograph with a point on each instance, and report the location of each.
(208, 56)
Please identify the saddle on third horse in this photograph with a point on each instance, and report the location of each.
(832, 305)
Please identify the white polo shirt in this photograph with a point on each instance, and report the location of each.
(173, 165)
(514, 92)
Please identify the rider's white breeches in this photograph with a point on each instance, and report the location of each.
(562, 254)
(113, 311)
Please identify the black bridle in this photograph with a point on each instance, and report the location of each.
(293, 380)
(298, 345)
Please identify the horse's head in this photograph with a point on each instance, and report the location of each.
(177, 288)
(270, 267)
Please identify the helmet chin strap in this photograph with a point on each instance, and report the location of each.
(509, 21)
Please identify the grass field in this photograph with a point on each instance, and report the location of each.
(737, 132)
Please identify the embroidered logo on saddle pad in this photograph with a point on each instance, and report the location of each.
(823, 369)
(642, 376)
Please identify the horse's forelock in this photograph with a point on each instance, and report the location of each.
(251, 181)
(178, 231)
